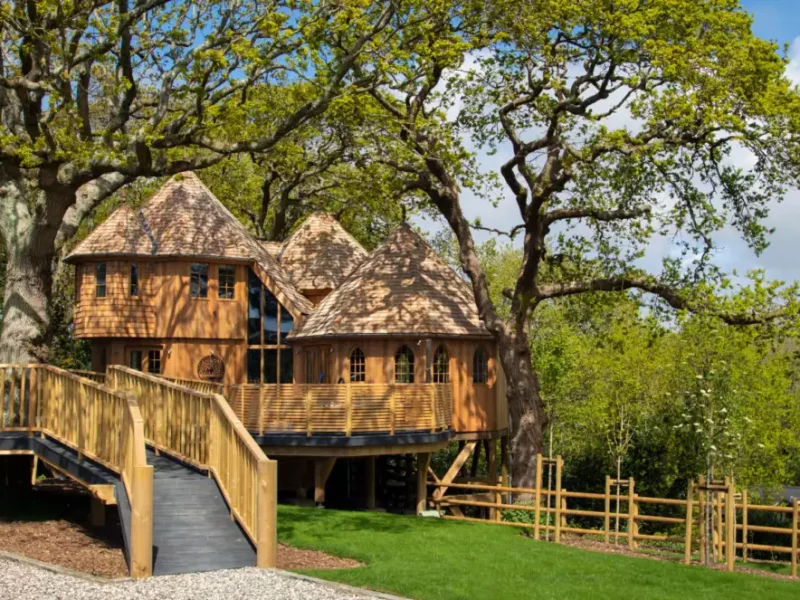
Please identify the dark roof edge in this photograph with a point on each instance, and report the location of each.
(427, 334)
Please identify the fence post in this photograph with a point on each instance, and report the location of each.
(559, 465)
(730, 522)
(142, 522)
(607, 509)
(537, 497)
(702, 523)
(744, 525)
(719, 528)
(563, 508)
(794, 536)
(631, 515)
(267, 515)
(33, 391)
(687, 558)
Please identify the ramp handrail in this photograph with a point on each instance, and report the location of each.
(202, 430)
(99, 423)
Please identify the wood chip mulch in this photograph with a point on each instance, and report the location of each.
(297, 559)
(67, 544)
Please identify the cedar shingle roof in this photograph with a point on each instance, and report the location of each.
(320, 254)
(184, 219)
(273, 248)
(403, 287)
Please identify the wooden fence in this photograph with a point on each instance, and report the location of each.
(342, 408)
(706, 522)
(99, 423)
(93, 375)
(202, 430)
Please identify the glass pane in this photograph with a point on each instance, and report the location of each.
(134, 279)
(100, 278)
(253, 366)
(287, 365)
(270, 318)
(136, 360)
(271, 366)
(287, 322)
(154, 362)
(227, 281)
(199, 280)
(254, 309)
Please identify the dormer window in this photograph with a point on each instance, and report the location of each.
(100, 279)
(198, 287)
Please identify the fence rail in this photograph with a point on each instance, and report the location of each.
(203, 430)
(349, 409)
(708, 517)
(199, 385)
(93, 375)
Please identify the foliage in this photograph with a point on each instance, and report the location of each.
(432, 559)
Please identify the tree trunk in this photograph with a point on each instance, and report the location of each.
(29, 222)
(526, 412)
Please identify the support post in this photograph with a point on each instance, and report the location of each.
(98, 513)
(267, 515)
(607, 512)
(795, 516)
(491, 458)
(142, 522)
(537, 497)
(744, 525)
(559, 465)
(261, 394)
(370, 483)
(730, 523)
(322, 469)
(631, 515)
(423, 462)
(703, 519)
(34, 469)
(687, 556)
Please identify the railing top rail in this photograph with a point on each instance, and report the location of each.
(135, 414)
(156, 379)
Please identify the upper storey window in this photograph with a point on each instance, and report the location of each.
(227, 281)
(441, 365)
(100, 279)
(358, 371)
(134, 279)
(404, 365)
(199, 280)
(480, 366)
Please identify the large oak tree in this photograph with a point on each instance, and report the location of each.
(95, 93)
(616, 121)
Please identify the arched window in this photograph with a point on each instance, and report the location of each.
(480, 366)
(358, 369)
(441, 365)
(404, 365)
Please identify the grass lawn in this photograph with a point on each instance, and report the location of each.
(431, 559)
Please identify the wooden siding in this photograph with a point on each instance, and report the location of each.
(163, 309)
(476, 407)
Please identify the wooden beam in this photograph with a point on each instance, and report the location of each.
(98, 513)
(463, 456)
(352, 452)
(423, 464)
(370, 483)
(322, 469)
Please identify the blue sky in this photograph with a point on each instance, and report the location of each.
(778, 20)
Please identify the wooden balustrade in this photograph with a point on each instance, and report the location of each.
(99, 423)
(349, 409)
(93, 375)
(202, 430)
(199, 385)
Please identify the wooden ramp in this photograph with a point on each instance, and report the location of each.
(192, 526)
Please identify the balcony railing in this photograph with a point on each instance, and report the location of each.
(348, 409)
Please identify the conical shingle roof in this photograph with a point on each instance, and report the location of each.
(185, 220)
(403, 288)
(320, 254)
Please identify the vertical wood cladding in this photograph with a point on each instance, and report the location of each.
(163, 307)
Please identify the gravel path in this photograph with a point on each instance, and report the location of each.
(19, 581)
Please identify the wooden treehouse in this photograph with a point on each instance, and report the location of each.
(323, 350)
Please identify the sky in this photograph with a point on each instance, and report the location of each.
(776, 20)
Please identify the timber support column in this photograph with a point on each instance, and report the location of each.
(423, 462)
(370, 483)
(98, 513)
(322, 469)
